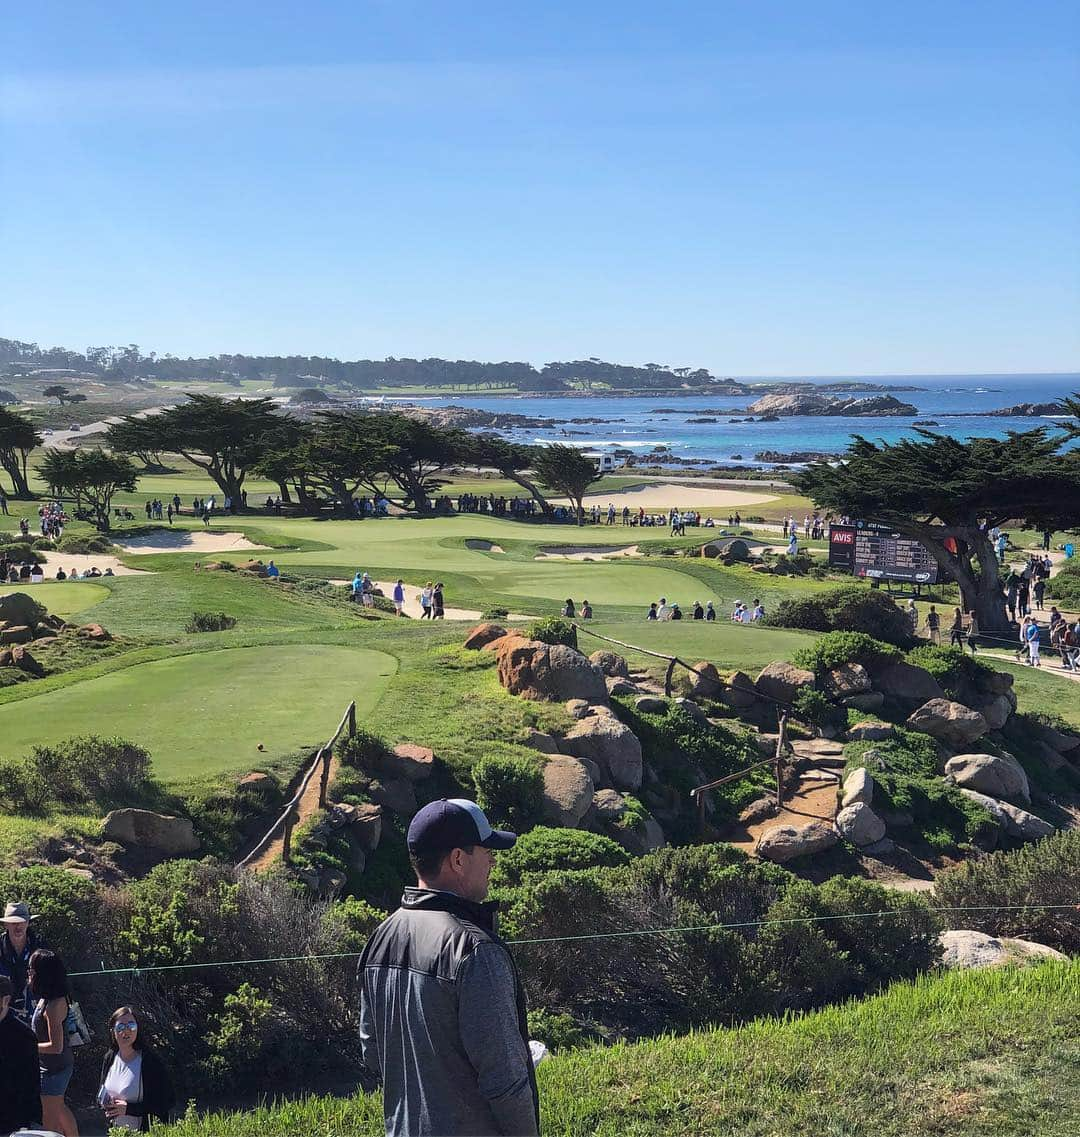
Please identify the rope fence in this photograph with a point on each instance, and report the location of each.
(284, 824)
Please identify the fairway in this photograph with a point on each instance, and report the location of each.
(205, 713)
(64, 599)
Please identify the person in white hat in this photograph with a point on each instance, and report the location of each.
(17, 944)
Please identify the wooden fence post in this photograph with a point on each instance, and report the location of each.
(667, 677)
(781, 738)
(286, 837)
(324, 777)
(352, 720)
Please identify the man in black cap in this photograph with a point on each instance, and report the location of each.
(442, 1012)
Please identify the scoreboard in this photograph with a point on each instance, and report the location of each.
(880, 553)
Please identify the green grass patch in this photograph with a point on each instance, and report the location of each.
(64, 598)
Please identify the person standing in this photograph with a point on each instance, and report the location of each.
(399, 597)
(20, 1099)
(425, 601)
(48, 985)
(1039, 590)
(710, 611)
(136, 1089)
(3, 503)
(586, 610)
(1031, 636)
(1023, 596)
(698, 612)
(438, 612)
(973, 633)
(933, 625)
(18, 942)
(956, 631)
(913, 616)
(443, 1018)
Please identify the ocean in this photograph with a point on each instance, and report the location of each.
(632, 422)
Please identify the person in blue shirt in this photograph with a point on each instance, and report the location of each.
(1031, 637)
(399, 597)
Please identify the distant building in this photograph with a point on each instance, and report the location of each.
(605, 462)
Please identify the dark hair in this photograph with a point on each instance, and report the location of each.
(5, 986)
(48, 976)
(428, 865)
(114, 1018)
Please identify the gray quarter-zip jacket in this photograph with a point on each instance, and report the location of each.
(443, 1022)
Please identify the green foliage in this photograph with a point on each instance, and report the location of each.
(96, 543)
(557, 1031)
(350, 921)
(950, 666)
(158, 936)
(835, 648)
(94, 476)
(853, 608)
(21, 551)
(634, 816)
(553, 630)
(1044, 873)
(813, 707)
(235, 1045)
(1064, 585)
(209, 622)
(566, 470)
(361, 751)
(510, 790)
(64, 903)
(544, 849)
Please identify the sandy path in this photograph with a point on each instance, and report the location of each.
(188, 541)
(84, 562)
(307, 806)
(663, 497)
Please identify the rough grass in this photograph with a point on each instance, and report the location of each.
(959, 1055)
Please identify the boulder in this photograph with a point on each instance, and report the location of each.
(367, 827)
(395, 794)
(869, 702)
(256, 567)
(24, 661)
(619, 686)
(19, 609)
(174, 836)
(579, 708)
(883, 848)
(638, 840)
(950, 722)
(538, 740)
(739, 694)
(94, 632)
(783, 681)
(995, 682)
(256, 782)
(651, 704)
(963, 948)
(482, 635)
(996, 710)
(705, 681)
(409, 761)
(998, 776)
(16, 634)
(906, 683)
(859, 824)
(693, 710)
(613, 746)
(568, 791)
(870, 731)
(847, 679)
(1051, 758)
(858, 787)
(542, 671)
(1011, 819)
(609, 805)
(897, 818)
(784, 843)
(611, 664)
(761, 809)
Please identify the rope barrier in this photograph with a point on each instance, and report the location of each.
(139, 971)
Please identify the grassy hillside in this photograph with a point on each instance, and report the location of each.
(964, 1055)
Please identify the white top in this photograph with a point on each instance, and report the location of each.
(124, 1080)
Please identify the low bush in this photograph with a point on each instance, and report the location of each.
(360, 751)
(1064, 586)
(544, 849)
(86, 546)
(553, 630)
(210, 622)
(1045, 873)
(495, 613)
(44, 544)
(852, 608)
(509, 790)
(836, 648)
(950, 666)
(814, 708)
(22, 552)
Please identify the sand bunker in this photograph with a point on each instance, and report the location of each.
(79, 562)
(412, 602)
(662, 496)
(188, 541)
(483, 546)
(585, 552)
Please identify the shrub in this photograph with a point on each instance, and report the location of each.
(1065, 585)
(950, 666)
(1045, 873)
(238, 1043)
(210, 622)
(20, 791)
(107, 772)
(835, 648)
(813, 707)
(851, 608)
(557, 1031)
(44, 544)
(545, 850)
(361, 751)
(509, 790)
(22, 551)
(553, 630)
(86, 546)
(495, 613)
(65, 904)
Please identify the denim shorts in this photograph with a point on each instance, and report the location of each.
(54, 1083)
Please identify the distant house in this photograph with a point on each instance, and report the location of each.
(605, 463)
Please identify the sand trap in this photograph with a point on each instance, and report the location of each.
(84, 562)
(483, 546)
(585, 553)
(661, 496)
(412, 603)
(188, 541)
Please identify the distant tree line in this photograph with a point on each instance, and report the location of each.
(129, 363)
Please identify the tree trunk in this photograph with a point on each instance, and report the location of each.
(283, 493)
(528, 484)
(979, 593)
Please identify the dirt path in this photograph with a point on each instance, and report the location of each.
(307, 807)
(812, 799)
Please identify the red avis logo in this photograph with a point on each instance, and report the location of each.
(842, 536)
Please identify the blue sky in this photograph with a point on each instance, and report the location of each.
(759, 188)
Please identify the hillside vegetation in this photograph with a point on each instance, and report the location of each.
(964, 1054)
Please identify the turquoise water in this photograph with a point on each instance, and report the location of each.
(634, 424)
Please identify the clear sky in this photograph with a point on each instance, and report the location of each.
(757, 188)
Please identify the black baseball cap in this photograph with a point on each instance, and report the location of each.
(454, 823)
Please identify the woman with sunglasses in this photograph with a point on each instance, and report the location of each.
(135, 1086)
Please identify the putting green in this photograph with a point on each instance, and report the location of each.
(206, 713)
(63, 599)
